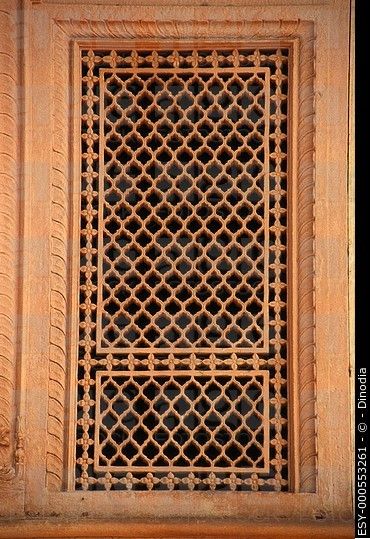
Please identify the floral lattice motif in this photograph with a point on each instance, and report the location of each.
(182, 361)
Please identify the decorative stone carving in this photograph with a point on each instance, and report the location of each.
(38, 370)
(300, 34)
(9, 181)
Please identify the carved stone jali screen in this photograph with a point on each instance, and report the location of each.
(182, 365)
(174, 333)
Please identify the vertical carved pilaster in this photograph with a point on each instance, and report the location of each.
(58, 277)
(305, 292)
(8, 232)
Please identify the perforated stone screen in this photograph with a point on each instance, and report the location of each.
(182, 366)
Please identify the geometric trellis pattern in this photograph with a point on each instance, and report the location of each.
(183, 302)
(182, 240)
(174, 421)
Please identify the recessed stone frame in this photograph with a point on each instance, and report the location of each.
(299, 37)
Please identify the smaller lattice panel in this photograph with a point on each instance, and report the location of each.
(180, 422)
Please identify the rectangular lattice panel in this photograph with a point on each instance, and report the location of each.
(176, 420)
(182, 365)
(182, 243)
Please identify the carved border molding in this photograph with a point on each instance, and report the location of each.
(306, 265)
(59, 259)
(67, 31)
(9, 230)
(203, 30)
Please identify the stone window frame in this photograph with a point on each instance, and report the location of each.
(38, 347)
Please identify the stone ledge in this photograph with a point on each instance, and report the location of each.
(55, 528)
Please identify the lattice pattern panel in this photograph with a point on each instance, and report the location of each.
(183, 204)
(182, 365)
(174, 421)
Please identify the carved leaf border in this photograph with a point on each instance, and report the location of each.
(9, 235)
(68, 31)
